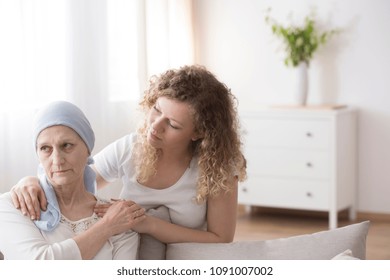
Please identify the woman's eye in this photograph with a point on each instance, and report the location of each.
(173, 126)
(156, 109)
(45, 149)
(68, 145)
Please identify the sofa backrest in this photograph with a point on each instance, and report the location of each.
(323, 245)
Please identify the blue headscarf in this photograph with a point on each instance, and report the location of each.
(66, 114)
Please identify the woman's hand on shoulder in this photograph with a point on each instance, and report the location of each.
(28, 196)
(100, 209)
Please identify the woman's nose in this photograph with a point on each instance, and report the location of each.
(157, 126)
(57, 157)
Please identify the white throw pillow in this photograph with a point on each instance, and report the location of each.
(346, 255)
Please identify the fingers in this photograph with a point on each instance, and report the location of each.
(127, 202)
(137, 220)
(42, 199)
(29, 199)
(18, 200)
(101, 209)
(28, 205)
(132, 210)
(139, 213)
(15, 199)
(122, 215)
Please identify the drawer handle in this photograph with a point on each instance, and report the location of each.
(244, 189)
(309, 164)
(309, 134)
(308, 194)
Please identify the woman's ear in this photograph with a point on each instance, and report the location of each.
(196, 137)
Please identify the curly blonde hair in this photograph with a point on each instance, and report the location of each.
(214, 110)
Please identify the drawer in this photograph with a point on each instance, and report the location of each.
(282, 133)
(288, 163)
(279, 193)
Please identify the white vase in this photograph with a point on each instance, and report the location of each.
(302, 83)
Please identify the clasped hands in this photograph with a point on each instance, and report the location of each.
(30, 199)
(133, 209)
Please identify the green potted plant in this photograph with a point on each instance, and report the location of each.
(300, 43)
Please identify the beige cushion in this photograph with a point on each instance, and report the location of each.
(323, 245)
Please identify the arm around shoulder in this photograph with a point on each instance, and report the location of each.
(28, 196)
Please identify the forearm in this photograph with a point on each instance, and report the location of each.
(221, 223)
(92, 240)
(100, 182)
(171, 233)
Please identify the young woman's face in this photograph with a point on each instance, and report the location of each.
(63, 155)
(171, 124)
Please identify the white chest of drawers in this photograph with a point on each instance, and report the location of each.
(301, 159)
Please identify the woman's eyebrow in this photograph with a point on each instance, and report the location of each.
(170, 118)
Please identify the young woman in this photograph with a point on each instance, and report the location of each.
(186, 155)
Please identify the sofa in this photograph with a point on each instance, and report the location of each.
(347, 242)
(344, 243)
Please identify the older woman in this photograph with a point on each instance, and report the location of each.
(69, 228)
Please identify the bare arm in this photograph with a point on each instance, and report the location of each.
(221, 223)
(100, 182)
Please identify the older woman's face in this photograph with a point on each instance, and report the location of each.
(63, 155)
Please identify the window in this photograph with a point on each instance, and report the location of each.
(32, 53)
(124, 40)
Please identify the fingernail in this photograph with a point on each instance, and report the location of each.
(32, 217)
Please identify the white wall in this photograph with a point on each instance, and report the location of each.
(234, 42)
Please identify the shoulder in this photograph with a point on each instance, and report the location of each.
(126, 142)
(7, 207)
(128, 138)
(194, 166)
(6, 200)
(118, 148)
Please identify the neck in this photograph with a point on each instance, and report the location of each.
(75, 201)
(71, 195)
(183, 157)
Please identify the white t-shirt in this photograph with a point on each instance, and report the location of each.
(21, 239)
(115, 162)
